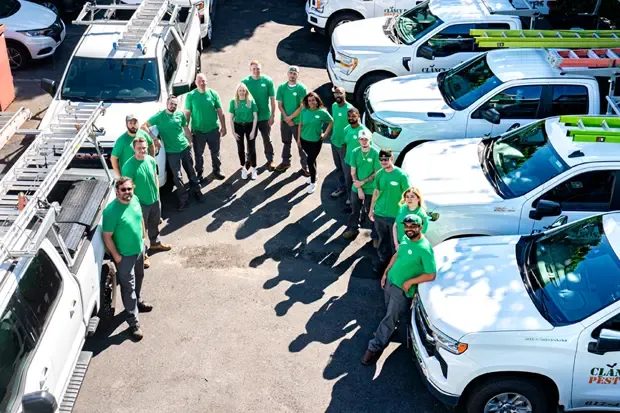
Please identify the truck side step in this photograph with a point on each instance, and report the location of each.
(75, 383)
(92, 326)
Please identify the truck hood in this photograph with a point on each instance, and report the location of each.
(449, 173)
(30, 16)
(113, 120)
(363, 37)
(409, 101)
(479, 289)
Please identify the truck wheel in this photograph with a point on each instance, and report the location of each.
(365, 83)
(107, 294)
(347, 16)
(508, 395)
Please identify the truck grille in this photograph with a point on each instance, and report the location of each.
(426, 335)
(87, 158)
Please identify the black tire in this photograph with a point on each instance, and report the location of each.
(533, 391)
(341, 18)
(365, 83)
(19, 56)
(107, 294)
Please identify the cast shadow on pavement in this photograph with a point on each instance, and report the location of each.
(103, 338)
(313, 54)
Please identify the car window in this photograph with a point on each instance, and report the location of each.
(611, 324)
(8, 8)
(172, 56)
(589, 191)
(23, 320)
(456, 38)
(519, 102)
(569, 100)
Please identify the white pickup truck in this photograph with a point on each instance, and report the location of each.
(485, 95)
(524, 323)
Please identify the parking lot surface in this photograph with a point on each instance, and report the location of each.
(261, 306)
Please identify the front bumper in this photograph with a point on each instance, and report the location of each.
(316, 19)
(336, 77)
(41, 47)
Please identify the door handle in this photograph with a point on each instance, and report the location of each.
(43, 381)
(72, 311)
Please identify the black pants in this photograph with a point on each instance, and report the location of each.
(244, 130)
(312, 150)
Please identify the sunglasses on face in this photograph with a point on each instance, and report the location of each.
(125, 189)
(411, 226)
(384, 159)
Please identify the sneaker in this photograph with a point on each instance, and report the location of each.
(182, 205)
(161, 247)
(271, 165)
(312, 188)
(305, 172)
(254, 175)
(370, 357)
(144, 307)
(350, 234)
(283, 167)
(244, 173)
(218, 175)
(338, 193)
(147, 262)
(136, 333)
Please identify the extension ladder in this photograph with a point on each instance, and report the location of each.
(142, 24)
(546, 38)
(10, 122)
(592, 128)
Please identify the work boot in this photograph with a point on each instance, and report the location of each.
(338, 193)
(283, 167)
(271, 165)
(218, 175)
(136, 333)
(147, 262)
(370, 357)
(144, 307)
(350, 234)
(161, 247)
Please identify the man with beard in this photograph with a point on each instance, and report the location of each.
(124, 235)
(340, 109)
(413, 264)
(123, 147)
(173, 131)
(289, 97)
(351, 134)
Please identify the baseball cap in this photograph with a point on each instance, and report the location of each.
(293, 69)
(363, 135)
(412, 219)
(129, 117)
(338, 89)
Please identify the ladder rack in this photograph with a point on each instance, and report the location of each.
(546, 38)
(529, 8)
(10, 122)
(592, 128)
(35, 174)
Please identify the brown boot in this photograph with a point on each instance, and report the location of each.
(370, 357)
(147, 262)
(161, 247)
(350, 234)
(283, 167)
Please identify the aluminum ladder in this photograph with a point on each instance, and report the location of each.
(10, 122)
(142, 24)
(546, 38)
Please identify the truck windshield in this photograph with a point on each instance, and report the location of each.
(414, 23)
(523, 159)
(576, 271)
(467, 82)
(111, 80)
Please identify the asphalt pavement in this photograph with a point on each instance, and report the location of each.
(261, 306)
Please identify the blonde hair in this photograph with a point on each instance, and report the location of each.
(417, 193)
(248, 96)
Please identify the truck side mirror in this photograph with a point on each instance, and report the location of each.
(492, 116)
(426, 52)
(49, 86)
(608, 341)
(545, 208)
(39, 402)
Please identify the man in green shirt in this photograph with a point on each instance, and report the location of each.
(351, 133)
(173, 131)
(142, 169)
(390, 184)
(289, 97)
(203, 110)
(413, 264)
(340, 113)
(123, 148)
(123, 235)
(262, 90)
(364, 165)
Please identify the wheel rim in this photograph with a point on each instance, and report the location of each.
(50, 6)
(508, 403)
(15, 57)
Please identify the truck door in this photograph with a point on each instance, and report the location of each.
(596, 375)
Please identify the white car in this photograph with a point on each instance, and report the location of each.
(524, 323)
(32, 31)
(518, 182)
(485, 95)
(326, 15)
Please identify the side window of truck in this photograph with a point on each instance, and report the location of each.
(588, 191)
(611, 324)
(569, 100)
(519, 102)
(22, 322)
(456, 38)
(172, 55)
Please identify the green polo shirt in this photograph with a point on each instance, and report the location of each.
(171, 130)
(261, 89)
(341, 121)
(123, 147)
(413, 259)
(143, 175)
(291, 98)
(204, 108)
(350, 139)
(125, 223)
(312, 123)
(365, 164)
(243, 113)
(391, 186)
(403, 211)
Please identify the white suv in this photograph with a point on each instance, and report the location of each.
(32, 31)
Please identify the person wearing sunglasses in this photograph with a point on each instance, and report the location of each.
(390, 183)
(413, 264)
(124, 236)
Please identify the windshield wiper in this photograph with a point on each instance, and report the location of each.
(81, 98)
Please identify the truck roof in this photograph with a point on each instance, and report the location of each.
(455, 10)
(98, 42)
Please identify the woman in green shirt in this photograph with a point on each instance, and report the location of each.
(244, 116)
(313, 117)
(411, 203)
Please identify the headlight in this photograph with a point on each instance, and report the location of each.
(347, 63)
(35, 33)
(318, 5)
(390, 132)
(448, 343)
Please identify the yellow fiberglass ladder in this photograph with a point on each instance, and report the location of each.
(592, 128)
